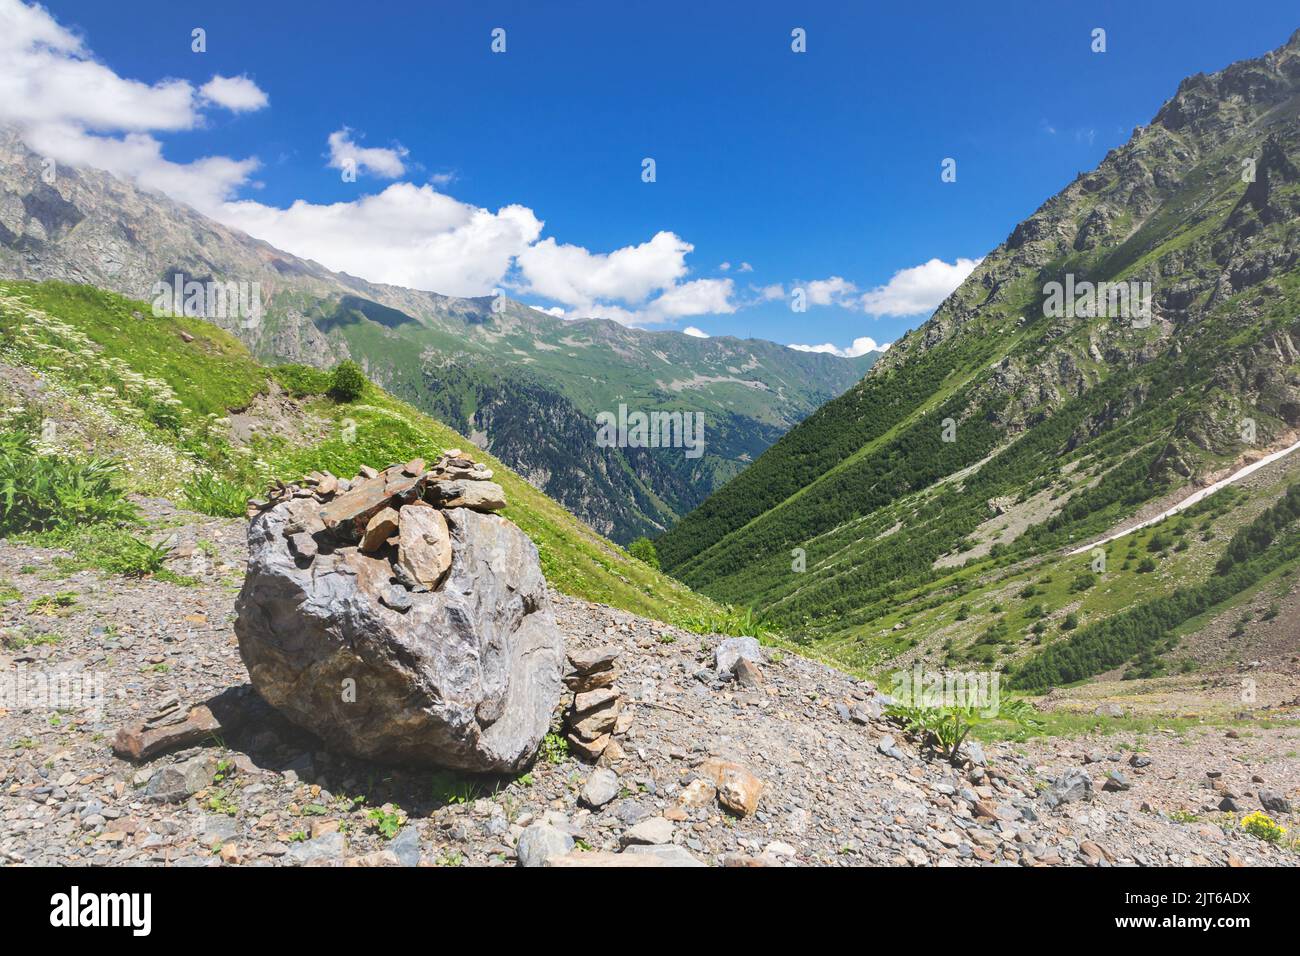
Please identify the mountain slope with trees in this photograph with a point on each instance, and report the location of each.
(1004, 432)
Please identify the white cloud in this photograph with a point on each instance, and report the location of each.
(724, 267)
(746, 267)
(917, 290)
(77, 111)
(345, 154)
(770, 293)
(238, 94)
(832, 291)
(860, 346)
(580, 279)
(695, 333)
(406, 235)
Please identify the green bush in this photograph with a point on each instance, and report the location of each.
(55, 493)
(207, 493)
(347, 382)
(643, 549)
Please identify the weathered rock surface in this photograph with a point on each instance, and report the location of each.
(462, 670)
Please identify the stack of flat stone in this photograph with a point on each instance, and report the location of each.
(395, 512)
(596, 715)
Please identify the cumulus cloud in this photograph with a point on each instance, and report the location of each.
(406, 235)
(917, 290)
(579, 278)
(695, 333)
(860, 346)
(238, 94)
(832, 291)
(346, 154)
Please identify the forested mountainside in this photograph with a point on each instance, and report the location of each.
(933, 509)
(522, 384)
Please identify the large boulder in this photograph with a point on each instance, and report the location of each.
(457, 667)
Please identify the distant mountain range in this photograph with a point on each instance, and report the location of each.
(1135, 337)
(523, 384)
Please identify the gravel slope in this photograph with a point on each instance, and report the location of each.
(830, 796)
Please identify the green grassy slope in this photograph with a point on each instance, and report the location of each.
(157, 394)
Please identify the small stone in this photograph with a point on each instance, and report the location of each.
(1116, 782)
(734, 649)
(379, 529)
(747, 674)
(424, 551)
(589, 749)
(1274, 802)
(601, 787)
(667, 854)
(652, 830)
(539, 843)
(698, 793)
(591, 660)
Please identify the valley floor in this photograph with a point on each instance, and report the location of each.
(832, 794)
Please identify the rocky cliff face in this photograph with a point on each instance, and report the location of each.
(459, 359)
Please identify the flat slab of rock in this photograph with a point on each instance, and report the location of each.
(464, 493)
(175, 728)
(348, 514)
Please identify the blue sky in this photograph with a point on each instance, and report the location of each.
(809, 167)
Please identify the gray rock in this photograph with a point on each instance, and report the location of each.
(1070, 786)
(1109, 709)
(975, 752)
(539, 842)
(669, 854)
(733, 649)
(1274, 802)
(652, 830)
(466, 678)
(1230, 804)
(600, 788)
(406, 846)
(1139, 760)
(1116, 782)
(326, 847)
(176, 782)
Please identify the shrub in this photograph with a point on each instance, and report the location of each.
(207, 493)
(643, 549)
(1262, 826)
(347, 382)
(53, 492)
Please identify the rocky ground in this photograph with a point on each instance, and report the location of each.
(836, 784)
